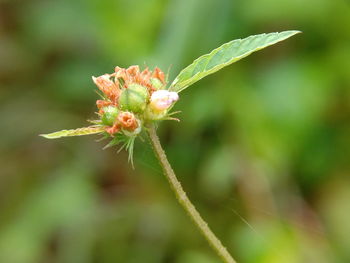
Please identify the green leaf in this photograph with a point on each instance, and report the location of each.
(75, 132)
(225, 55)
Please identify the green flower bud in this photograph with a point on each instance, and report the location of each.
(109, 116)
(134, 98)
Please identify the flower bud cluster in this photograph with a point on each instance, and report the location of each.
(132, 98)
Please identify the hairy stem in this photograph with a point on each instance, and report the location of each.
(184, 201)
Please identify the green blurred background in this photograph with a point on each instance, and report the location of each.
(263, 146)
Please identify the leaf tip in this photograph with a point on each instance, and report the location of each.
(45, 136)
(294, 32)
(50, 136)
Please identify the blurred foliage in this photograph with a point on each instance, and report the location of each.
(263, 147)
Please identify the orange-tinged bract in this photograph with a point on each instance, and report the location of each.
(112, 84)
(134, 75)
(108, 86)
(128, 121)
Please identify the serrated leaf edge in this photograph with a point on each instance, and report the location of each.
(235, 59)
(74, 132)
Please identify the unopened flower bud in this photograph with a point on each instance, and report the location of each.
(134, 98)
(130, 124)
(162, 99)
(109, 115)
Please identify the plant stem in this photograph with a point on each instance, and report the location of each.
(184, 201)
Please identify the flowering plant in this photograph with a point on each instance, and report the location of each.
(130, 98)
(133, 100)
